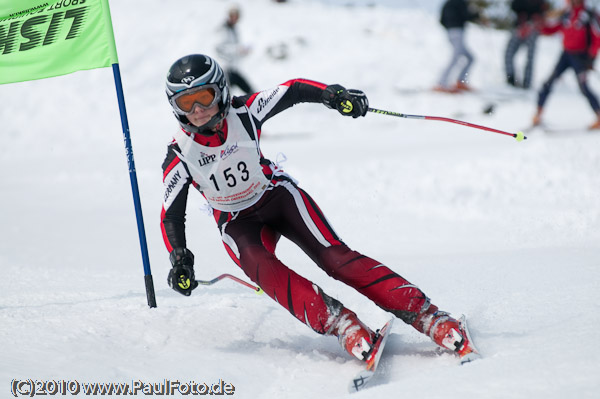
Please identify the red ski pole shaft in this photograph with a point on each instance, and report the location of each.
(519, 136)
(222, 276)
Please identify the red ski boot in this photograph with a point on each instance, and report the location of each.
(447, 332)
(355, 337)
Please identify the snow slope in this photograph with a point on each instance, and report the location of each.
(505, 232)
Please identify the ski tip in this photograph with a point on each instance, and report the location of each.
(520, 136)
(473, 354)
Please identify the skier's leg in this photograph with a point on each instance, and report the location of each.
(578, 62)
(396, 295)
(453, 37)
(561, 66)
(463, 52)
(255, 244)
(301, 220)
(509, 55)
(544, 92)
(386, 288)
(530, 43)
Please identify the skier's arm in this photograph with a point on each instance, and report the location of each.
(551, 28)
(176, 182)
(554, 25)
(181, 276)
(268, 103)
(594, 39)
(265, 104)
(173, 222)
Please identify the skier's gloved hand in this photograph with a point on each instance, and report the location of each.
(353, 103)
(181, 277)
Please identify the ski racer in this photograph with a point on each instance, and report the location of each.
(217, 151)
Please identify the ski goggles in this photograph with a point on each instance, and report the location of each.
(206, 96)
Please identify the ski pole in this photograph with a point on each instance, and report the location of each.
(519, 136)
(258, 290)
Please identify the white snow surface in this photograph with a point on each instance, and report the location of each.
(507, 233)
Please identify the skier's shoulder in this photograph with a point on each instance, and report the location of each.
(171, 158)
(257, 100)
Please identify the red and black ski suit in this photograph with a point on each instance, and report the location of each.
(250, 234)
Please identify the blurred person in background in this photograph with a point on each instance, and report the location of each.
(455, 14)
(580, 27)
(529, 21)
(231, 51)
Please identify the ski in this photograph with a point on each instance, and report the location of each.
(364, 376)
(473, 353)
(557, 130)
(567, 130)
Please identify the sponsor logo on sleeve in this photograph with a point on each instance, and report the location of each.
(262, 102)
(170, 187)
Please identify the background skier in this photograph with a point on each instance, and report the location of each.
(455, 14)
(529, 20)
(581, 39)
(231, 51)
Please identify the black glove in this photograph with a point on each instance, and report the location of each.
(353, 103)
(181, 277)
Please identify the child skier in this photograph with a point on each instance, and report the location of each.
(581, 39)
(217, 150)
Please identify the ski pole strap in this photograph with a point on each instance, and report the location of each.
(238, 280)
(519, 136)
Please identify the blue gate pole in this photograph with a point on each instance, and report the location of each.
(134, 188)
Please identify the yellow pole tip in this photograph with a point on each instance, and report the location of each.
(520, 136)
(259, 291)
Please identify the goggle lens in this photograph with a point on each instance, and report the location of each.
(205, 97)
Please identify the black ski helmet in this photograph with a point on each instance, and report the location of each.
(189, 73)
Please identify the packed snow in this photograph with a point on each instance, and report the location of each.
(505, 232)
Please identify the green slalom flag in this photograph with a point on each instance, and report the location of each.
(40, 39)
